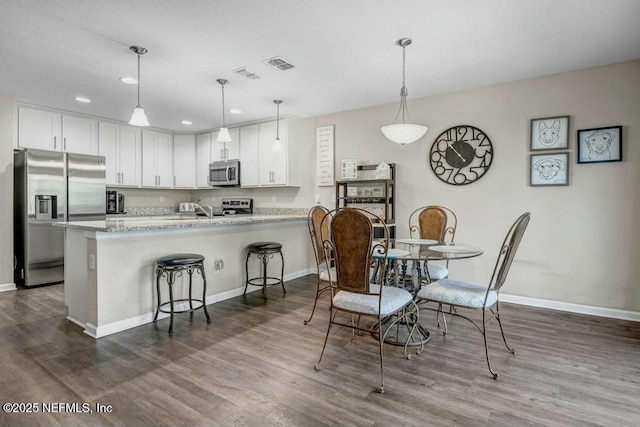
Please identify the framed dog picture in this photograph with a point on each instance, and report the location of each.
(550, 133)
(549, 169)
(600, 145)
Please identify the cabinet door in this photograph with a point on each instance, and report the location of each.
(39, 129)
(203, 158)
(164, 161)
(79, 135)
(272, 164)
(249, 156)
(129, 156)
(232, 148)
(149, 176)
(184, 159)
(108, 135)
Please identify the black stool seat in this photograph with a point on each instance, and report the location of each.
(264, 251)
(265, 247)
(171, 266)
(179, 259)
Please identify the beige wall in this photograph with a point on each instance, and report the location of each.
(6, 190)
(583, 241)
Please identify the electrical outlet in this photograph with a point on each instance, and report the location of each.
(162, 198)
(218, 265)
(92, 262)
(273, 199)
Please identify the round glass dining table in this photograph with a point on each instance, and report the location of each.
(407, 267)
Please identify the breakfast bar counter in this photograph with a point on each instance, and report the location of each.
(109, 265)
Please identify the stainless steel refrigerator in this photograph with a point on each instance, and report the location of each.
(50, 187)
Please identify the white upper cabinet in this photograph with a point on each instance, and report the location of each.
(79, 135)
(157, 165)
(184, 158)
(249, 156)
(203, 158)
(50, 130)
(263, 167)
(225, 151)
(41, 129)
(121, 147)
(130, 156)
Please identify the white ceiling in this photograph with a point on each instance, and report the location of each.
(344, 51)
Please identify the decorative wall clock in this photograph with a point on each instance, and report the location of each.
(461, 155)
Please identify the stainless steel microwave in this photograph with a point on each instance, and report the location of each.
(224, 173)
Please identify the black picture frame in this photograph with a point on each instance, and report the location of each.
(600, 145)
(549, 169)
(549, 133)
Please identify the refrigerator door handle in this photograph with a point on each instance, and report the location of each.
(55, 142)
(64, 143)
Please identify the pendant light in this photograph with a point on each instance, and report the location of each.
(277, 144)
(223, 134)
(138, 118)
(403, 133)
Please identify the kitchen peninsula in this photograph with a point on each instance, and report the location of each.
(109, 265)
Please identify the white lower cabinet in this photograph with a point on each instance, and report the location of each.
(157, 164)
(263, 167)
(184, 158)
(121, 147)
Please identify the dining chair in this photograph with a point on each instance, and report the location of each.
(317, 229)
(438, 223)
(350, 240)
(458, 293)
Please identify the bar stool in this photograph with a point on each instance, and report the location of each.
(264, 251)
(168, 266)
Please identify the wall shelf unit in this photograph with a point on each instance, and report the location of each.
(372, 194)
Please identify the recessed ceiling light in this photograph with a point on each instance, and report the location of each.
(129, 80)
(235, 111)
(83, 99)
(187, 122)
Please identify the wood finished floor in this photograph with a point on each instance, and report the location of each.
(253, 366)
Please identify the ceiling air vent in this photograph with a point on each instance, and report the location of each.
(279, 63)
(246, 73)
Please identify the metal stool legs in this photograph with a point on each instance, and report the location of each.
(170, 273)
(264, 279)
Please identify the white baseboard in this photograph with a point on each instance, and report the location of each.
(7, 287)
(132, 322)
(613, 313)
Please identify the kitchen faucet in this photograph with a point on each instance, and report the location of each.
(208, 213)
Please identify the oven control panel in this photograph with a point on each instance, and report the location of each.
(240, 205)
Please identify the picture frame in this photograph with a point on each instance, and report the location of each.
(548, 169)
(349, 168)
(600, 145)
(549, 133)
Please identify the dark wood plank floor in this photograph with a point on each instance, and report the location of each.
(253, 366)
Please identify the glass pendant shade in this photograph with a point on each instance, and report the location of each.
(403, 133)
(138, 118)
(223, 135)
(277, 145)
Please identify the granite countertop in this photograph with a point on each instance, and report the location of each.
(174, 222)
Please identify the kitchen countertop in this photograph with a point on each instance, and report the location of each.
(175, 222)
